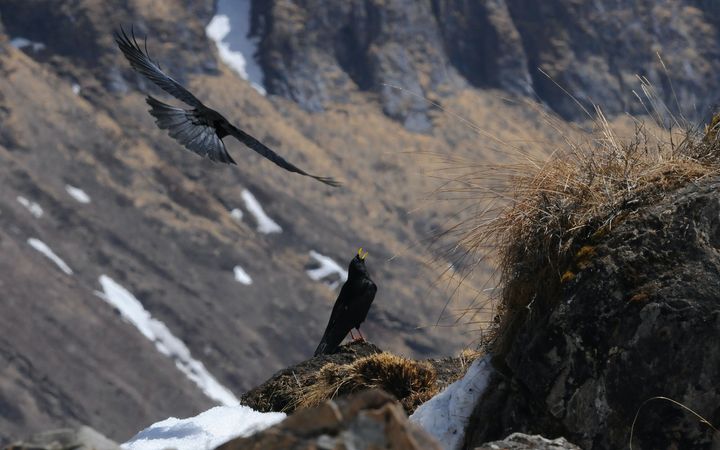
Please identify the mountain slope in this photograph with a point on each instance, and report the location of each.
(159, 224)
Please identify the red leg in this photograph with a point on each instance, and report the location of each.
(362, 338)
(352, 336)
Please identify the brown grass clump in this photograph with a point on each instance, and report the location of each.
(411, 382)
(541, 223)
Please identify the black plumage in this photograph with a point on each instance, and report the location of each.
(351, 307)
(199, 129)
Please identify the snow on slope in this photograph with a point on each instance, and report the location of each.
(446, 415)
(236, 214)
(241, 276)
(230, 29)
(77, 193)
(265, 224)
(21, 42)
(327, 268)
(166, 343)
(40, 246)
(204, 431)
(31, 206)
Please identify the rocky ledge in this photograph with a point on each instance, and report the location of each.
(355, 367)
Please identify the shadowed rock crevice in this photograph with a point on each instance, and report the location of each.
(484, 45)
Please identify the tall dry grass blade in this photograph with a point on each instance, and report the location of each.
(702, 419)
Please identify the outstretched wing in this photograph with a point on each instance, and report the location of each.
(190, 129)
(141, 62)
(262, 149)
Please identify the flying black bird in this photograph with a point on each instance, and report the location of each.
(351, 306)
(199, 129)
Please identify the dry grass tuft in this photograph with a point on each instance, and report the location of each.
(410, 381)
(541, 222)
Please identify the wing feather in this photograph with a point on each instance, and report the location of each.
(189, 129)
(141, 62)
(266, 152)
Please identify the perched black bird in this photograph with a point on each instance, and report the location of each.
(351, 306)
(199, 129)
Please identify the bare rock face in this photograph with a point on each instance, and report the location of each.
(596, 51)
(519, 441)
(371, 419)
(316, 52)
(484, 44)
(639, 320)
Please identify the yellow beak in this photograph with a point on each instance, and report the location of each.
(360, 254)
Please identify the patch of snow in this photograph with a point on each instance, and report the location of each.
(42, 247)
(327, 268)
(264, 223)
(21, 42)
(204, 431)
(446, 415)
(230, 30)
(241, 276)
(157, 332)
(236, 214)
(77, 193)
(76, 88)
(31, 206)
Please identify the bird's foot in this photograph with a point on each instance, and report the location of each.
(360, 338)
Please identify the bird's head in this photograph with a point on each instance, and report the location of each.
(357, 265)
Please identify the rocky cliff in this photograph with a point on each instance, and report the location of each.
(315, 51)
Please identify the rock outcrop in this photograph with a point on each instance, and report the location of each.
(312, 381)
(639, 319)
(371, 419)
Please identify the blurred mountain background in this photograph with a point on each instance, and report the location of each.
(138, 281)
